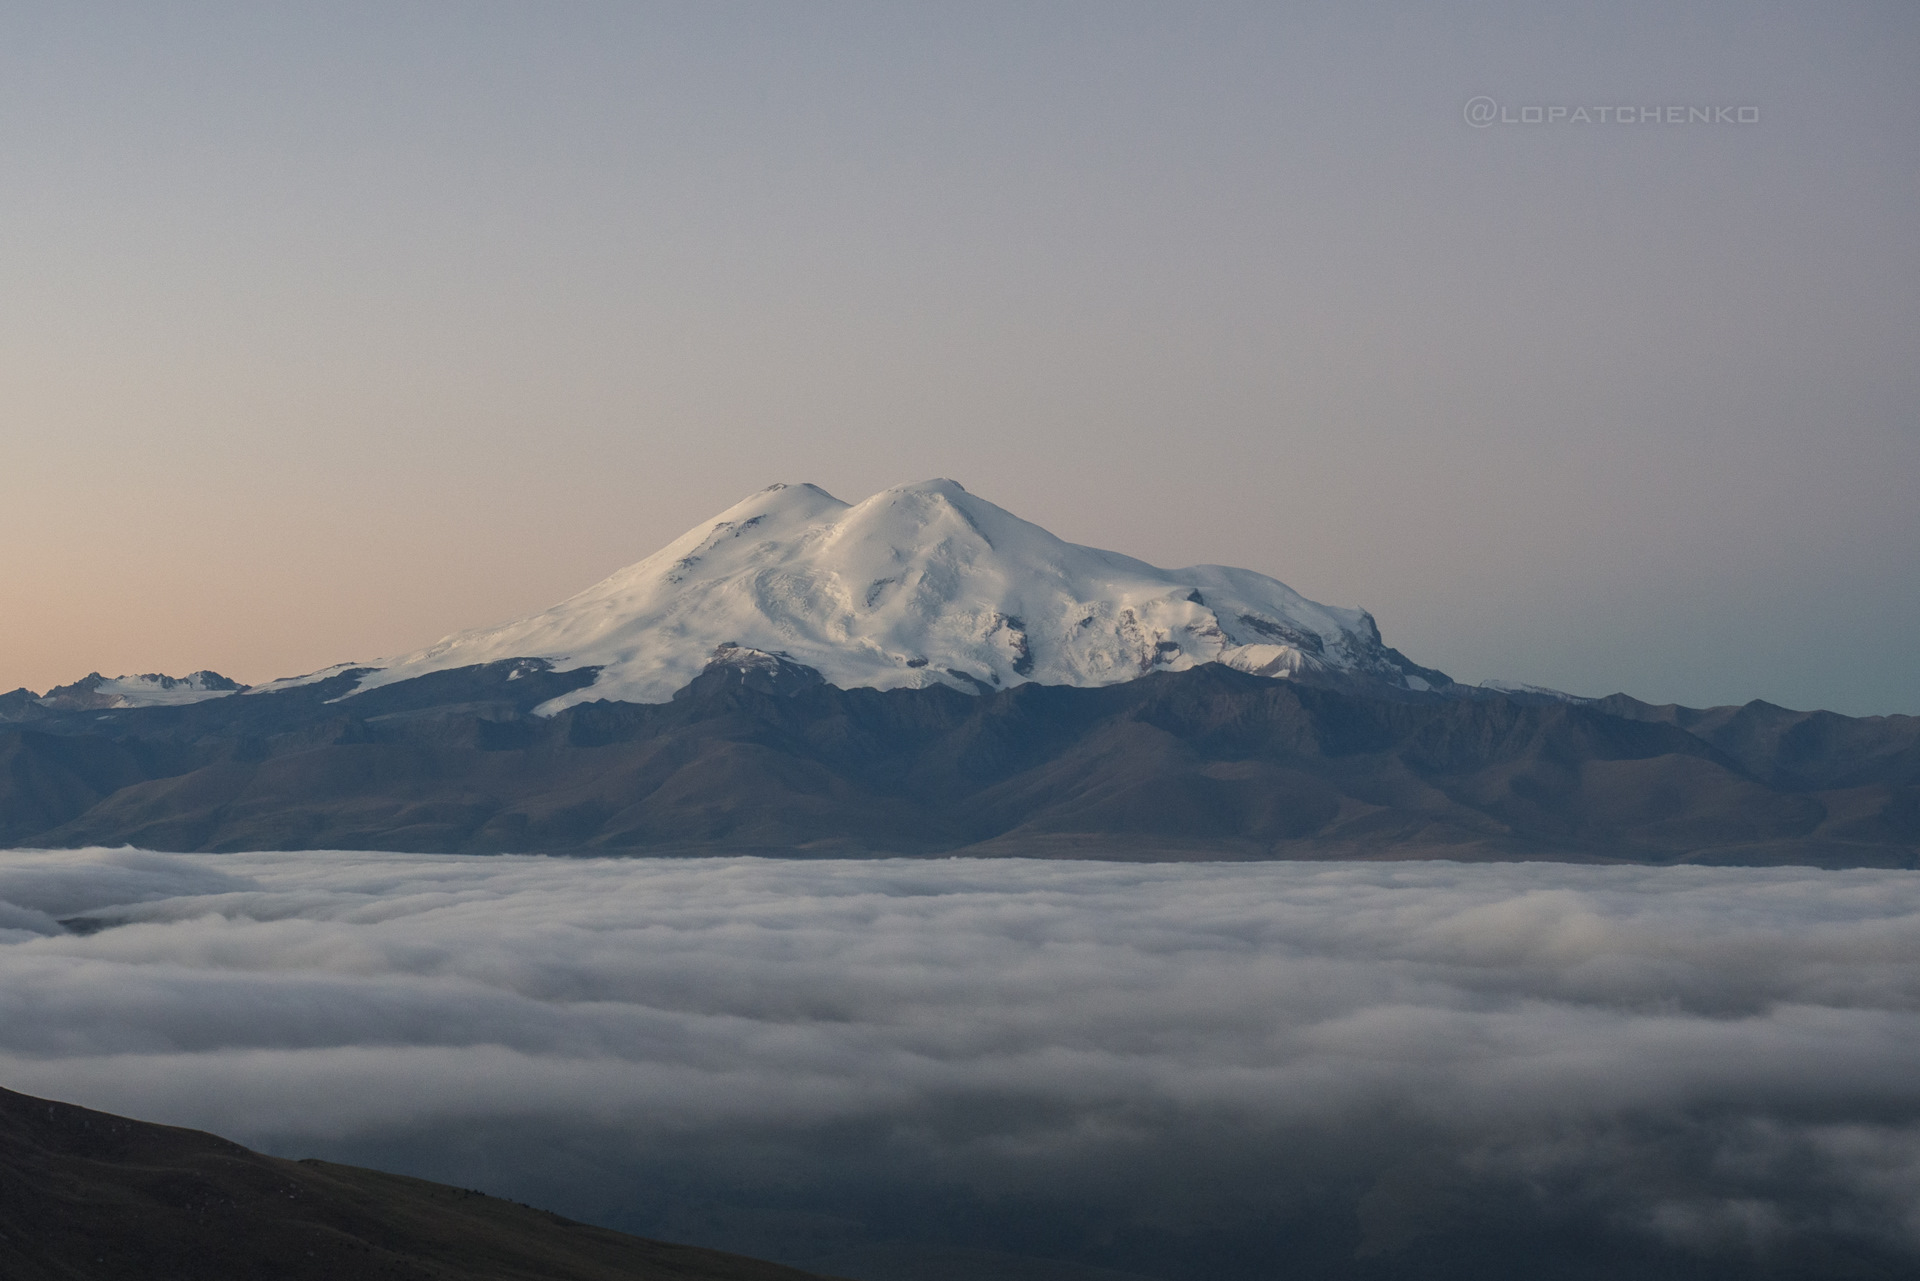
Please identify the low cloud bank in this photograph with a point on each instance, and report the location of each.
(1179, 1068)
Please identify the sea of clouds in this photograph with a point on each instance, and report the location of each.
(1179, 1068)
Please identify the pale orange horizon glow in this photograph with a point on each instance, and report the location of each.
(326, 333)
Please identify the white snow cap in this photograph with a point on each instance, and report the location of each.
(919, 585)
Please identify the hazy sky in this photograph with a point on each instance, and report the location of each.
(328, 329)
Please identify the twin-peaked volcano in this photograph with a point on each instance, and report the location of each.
(919, 585)
(719, 697)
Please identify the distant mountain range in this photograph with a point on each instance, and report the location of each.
(99, 693)
(924, 672)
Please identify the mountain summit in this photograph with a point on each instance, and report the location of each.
(919, 585)
(720, 697)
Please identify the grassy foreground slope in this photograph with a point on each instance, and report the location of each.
(86, 1194)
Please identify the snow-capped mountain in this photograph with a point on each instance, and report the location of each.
(919, 585)
(104, 693)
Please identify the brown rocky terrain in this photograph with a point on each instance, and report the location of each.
(1208, 763)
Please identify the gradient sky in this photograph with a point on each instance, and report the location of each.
(328, 329)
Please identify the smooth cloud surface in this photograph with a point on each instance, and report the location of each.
(1128, 1064)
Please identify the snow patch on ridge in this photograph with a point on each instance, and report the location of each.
(100, 693)
(311, 678)
(1516, 688)
(918, 585)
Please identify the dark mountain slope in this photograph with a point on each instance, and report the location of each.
(87, 1195)
(1204, 763)
(1796, 749)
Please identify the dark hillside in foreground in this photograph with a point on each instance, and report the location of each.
(1208, 763)
(89, 1195)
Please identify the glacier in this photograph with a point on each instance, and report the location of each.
(922, 584)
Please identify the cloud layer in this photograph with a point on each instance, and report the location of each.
(1100, 1060)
